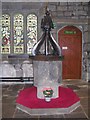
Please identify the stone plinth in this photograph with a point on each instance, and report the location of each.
(47, 74)
(67, 102)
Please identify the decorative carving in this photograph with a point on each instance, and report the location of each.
(50, 45)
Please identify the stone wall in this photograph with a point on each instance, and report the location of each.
(72, 10)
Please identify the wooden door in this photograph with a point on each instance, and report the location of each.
(70, 41)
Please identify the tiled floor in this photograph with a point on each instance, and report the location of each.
(10, 92)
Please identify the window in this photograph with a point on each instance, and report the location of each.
(18, 34)
(17, 31)
(31, 31)
(5, 48)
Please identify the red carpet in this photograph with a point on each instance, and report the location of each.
(28, 98)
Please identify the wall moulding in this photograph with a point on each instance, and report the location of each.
(71, 21)
(45, 1)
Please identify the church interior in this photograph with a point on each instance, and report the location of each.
(37, 53)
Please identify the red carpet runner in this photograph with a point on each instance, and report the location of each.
(28, 98)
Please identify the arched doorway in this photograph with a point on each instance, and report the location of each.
(70, 41)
